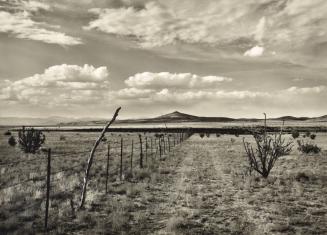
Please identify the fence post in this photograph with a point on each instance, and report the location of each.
(121, 159)
(141, 152)
(48, 191)
(164, 142)
(146, 151)
(151, 145)
(160, 148)
(168, 143)
(107, 172)
(132, 157)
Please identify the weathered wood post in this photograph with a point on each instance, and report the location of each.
(121, 159)
(146, 151)
(48, 191)
(132, 150)
(107, 170)
(160, 150)
(168, 143)
(90, 159)
(141, 152)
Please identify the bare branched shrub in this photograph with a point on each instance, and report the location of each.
(30, 140)
(268, 149)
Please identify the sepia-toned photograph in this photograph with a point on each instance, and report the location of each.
(163, 117)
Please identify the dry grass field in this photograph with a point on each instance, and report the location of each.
(200, 187)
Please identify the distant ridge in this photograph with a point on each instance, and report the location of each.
(172, 117)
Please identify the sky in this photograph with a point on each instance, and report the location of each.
(235, 58)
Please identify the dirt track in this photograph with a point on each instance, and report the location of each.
(209, 194)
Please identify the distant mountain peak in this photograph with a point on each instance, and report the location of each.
(176, 114)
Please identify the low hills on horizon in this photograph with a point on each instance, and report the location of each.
(174, 117)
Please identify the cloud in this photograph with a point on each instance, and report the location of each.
(60, 85)
(174, 80)
(22, 26)
(254, 51)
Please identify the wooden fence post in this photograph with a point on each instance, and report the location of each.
(48, 191)
(168, 143)
(151, 146)
(146, 151)
(160, 148)
(164, 144)
(107, 171)
(141, 152)
(90, 159)
(121, 159)
(132, 156)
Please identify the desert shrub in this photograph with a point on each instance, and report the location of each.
(308, 147)
(307, 134)
(295, 134)
(217, 135)
(62, 138)
(237, 135)
(7, 133)
(201, 135)
(208, 135)
(30, 140)
(12, 141)
(232, 140)
(312, 136)
(267, 151)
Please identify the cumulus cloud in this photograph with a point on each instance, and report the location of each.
(255, 51)
(174, 80)
(21, 25)
(60, 85)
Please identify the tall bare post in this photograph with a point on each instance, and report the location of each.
(48, 191)
(90, 160)
(160, 150)
(141, 152)
(164, 144)
(151, 145)
(132, 150)
(168, 143)
(121, 159)
(107, 170)
(146, 151)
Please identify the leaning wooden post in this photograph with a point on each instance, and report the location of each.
(107, 170)
(90, 160)
(141, 152)
(48, 191)
(132, 150)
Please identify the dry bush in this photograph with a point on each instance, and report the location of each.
(30, 140)
(7, 133)
(12, 141)
(295, 134)
(308, 147)
(268, 150)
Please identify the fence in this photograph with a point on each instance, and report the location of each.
(118, 159)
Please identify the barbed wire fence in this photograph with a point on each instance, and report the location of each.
(118, 159)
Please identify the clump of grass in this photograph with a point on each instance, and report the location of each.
(175, 224)
(142, 174)
(62, 138)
